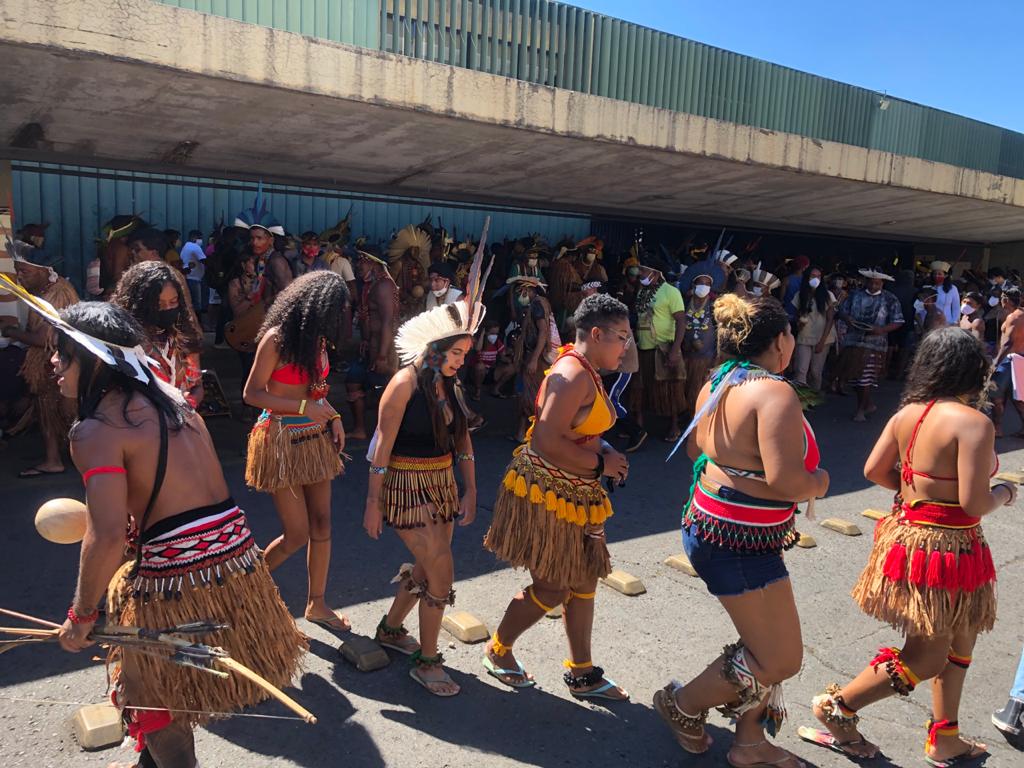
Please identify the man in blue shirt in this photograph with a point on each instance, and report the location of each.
(796, 277)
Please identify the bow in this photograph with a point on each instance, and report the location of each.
(170, 644)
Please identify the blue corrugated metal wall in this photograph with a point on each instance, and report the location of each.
(77, 201)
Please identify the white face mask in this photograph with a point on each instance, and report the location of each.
(440, 294)
(645, 281)
(814, 282)
(919, 305)
(531, 262)
(872, 293)
(700, 291)
(757, 290)
(993, 301)
(966, 309)
(492, 338)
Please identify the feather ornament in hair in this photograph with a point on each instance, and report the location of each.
(411, 237)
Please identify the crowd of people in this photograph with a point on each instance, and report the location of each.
(700, 336)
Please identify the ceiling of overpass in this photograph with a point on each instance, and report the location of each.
(99, 110)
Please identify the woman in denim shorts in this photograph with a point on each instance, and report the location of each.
(754, 457)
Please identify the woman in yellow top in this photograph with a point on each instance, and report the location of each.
(550, 512)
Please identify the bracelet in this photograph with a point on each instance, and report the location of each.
(378, 470)
(464, 457)
(335, 416)
(1009, 493)
(600, 464)
(74, 618)
(302, 407)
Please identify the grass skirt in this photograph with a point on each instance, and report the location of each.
(859, 367)
(289, 451)
(926, 580)
(550, 521)
(696, 376)
(663, 398)
(419, 490)
(225, 582)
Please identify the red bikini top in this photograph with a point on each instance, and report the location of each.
(908, 472)
(293, 374)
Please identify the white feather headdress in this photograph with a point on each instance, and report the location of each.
(131, 361)
(766, 278)
(726, 257)
(458, 319)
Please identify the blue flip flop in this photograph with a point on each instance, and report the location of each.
(600, 693)
(497, 673)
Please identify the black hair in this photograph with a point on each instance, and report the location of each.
(946, 284)
(150, 237)
(445, 435)
(138, 292)
(1012, 294)
(194, 234)
(807, 294)
(172, 235)
(747, 327)
(597, 311)
(110, 323)
(996, 272)
(311, 308)
(949, 362)
(975, 297)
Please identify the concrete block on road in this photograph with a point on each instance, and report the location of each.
(874, 514)
(98, 726)
(805, 541)
(625, 583)
(363, 653)
(465, 627)
(844, 527)
(681, 563)
(1010, 476)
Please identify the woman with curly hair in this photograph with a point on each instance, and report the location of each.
(154, 294)
(297, 443)
(930, 573)
(754, 457)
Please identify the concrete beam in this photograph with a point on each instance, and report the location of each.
(158, 86)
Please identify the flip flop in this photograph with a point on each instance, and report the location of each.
(328, 623)
(975, 753)
(825, 739)
(396, 647)
(31, 472)
(413, 673)
(497, 673)
(600, 692)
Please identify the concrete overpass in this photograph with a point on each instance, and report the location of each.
(159, 88)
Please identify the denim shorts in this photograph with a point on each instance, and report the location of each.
(1002, 378)
(729, 572)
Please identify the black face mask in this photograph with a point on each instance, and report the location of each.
(166, 318)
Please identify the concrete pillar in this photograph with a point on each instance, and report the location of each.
(8, 304)
(986, 257)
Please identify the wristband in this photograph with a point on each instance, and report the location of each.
(335, 416)
(302, 407)
(1009, 493)
(378, 470)
(74, 618)
(600, 464)
(465, 457)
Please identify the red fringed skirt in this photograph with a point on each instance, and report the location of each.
(930, 572)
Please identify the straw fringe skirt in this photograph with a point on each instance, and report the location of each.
(289, 451)
(262, 635)
(663, 398)
(418, 491)
(928, 581)
(550, 521)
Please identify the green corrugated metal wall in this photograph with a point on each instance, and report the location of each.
(77, 201)
(567, 47)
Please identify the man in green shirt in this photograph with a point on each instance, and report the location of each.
(660, 386)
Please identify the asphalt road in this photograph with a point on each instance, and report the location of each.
(384, 718)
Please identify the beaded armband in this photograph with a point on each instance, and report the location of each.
(74, 618)
(464, 457)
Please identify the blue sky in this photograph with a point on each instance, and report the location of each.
(964, 57)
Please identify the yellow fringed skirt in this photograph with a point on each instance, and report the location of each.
(550, 521)
(203, 565)
(418, 491)
(287, 451)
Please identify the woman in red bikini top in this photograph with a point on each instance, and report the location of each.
(296, 445)
(930, 573)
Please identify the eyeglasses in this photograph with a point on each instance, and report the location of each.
(625, 340)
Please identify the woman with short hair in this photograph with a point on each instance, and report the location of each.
(930, 573)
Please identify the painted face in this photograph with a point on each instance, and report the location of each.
(613, 341)
(311, 250)
(260, 240)
(67, 373)
(455, 358)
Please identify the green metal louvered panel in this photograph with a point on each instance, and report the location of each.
(77, 201)
(355, 22)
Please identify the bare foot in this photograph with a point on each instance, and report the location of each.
(761, 752)
(847, 738)
(860, 417)
(509, 662)
(949, 747)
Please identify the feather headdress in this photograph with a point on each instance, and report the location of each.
(131, 361)
(766, 278)
(258, 216)
(459, 319)
(410, 238)
(726, 257)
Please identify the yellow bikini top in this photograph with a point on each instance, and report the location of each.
(600, 418)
